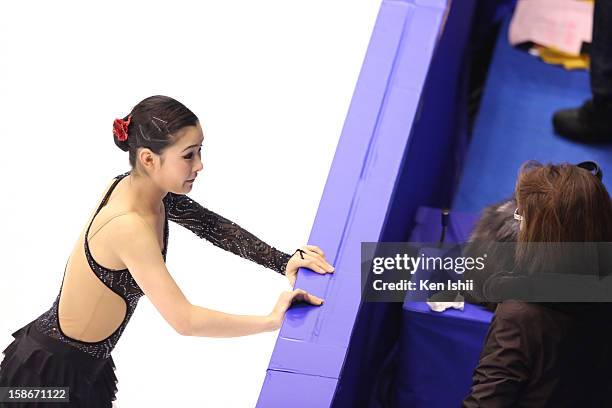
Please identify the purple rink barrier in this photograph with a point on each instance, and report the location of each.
(327, 356)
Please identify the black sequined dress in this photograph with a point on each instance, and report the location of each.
(42, 355)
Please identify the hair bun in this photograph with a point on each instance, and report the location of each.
(120, 133)
(122, 144)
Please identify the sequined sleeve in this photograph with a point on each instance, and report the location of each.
(222, 232)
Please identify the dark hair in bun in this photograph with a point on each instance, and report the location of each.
(153, 123)
(123, 145)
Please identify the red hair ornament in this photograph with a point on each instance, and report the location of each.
(120, 128)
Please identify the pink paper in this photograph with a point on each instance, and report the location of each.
(560, 24)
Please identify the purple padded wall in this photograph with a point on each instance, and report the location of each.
(311, 347)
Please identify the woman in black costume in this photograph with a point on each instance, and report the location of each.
(70, 344)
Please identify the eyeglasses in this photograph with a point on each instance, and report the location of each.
(517, 216)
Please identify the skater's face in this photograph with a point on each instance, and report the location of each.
(183, 159)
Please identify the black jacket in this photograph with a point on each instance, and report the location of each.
(545, 355)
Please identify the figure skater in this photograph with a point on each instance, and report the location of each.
(120, 256)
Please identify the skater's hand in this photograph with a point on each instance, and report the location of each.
(308, 256)
(286, 299)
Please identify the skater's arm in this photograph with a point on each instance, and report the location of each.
(137, 247)
(222, 232)
(211, 323)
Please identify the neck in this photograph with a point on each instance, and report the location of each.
(144, 194)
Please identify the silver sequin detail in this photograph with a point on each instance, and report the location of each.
(223, 233)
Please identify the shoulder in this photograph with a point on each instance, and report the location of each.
(181, 202)
(524, 325)
(122, 175)
(129, 223)
(171, 197)
(521, 315)
(531, 314)
(113, 181)
(515, 319)
(131, 231)
(168, 198)
(514, 309)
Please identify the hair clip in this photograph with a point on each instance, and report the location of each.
(591, 167)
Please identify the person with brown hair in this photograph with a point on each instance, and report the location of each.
(549, 354)
(120, 257)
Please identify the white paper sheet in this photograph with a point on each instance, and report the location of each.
(560, 24)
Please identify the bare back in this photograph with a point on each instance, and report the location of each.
(88, 310)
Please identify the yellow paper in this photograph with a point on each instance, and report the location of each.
(568, 61)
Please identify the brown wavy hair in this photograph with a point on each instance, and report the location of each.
(560, 203)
